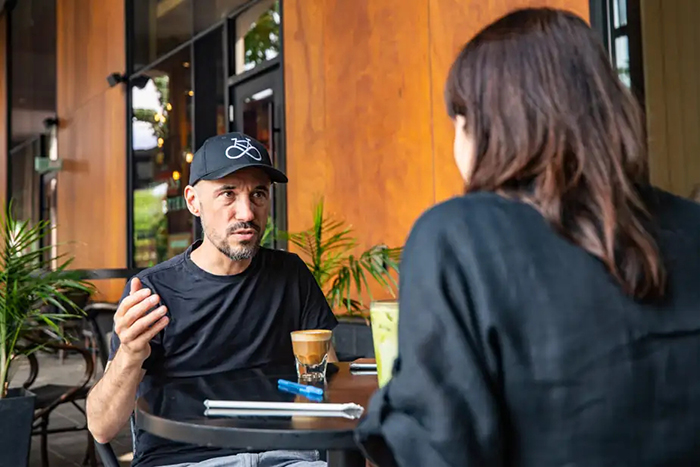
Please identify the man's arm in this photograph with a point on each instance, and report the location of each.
(111, 401)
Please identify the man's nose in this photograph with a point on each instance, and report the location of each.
(244, 210)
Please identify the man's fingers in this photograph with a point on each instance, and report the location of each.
(130, 301)
(136, 285)
(146, 337)
(138, 310)
(141, 325)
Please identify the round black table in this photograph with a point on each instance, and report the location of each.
(173, 408)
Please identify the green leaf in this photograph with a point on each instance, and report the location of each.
(328, 249)
(31, 293)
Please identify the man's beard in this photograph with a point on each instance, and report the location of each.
(244, 250)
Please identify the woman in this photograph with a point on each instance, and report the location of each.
(551, 316)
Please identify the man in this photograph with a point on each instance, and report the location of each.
(224, 304)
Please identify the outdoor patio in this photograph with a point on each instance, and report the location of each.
(68, 449)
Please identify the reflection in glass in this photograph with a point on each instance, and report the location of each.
(619, 13)
(258, 32)
(25, 182)
(209, 12)
(257, 118)
(209, 87)
(622, 59)
(159, 27)
(32, 93)
(162, 148)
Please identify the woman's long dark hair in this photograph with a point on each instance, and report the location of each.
(553, 124)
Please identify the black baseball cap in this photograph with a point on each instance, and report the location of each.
(222, 155)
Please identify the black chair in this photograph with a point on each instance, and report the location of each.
(100, 316)
(107, 456)
(50, 396)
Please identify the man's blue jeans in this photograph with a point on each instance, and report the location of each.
(263, 459)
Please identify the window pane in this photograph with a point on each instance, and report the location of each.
(257, 117)
(622, 59)
(210, 112)
(209, 12)
(25, 182)
(158, 27)
(33, 55)
(619, 13)
(162, 150)
(258, 35)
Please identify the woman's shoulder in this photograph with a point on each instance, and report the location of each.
(481, 211)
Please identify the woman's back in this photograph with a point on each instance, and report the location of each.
(551, 316)
(589, 375)
(539, 359)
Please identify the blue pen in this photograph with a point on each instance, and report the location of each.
(311, 397)
(300, 388)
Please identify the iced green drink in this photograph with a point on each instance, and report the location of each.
(384, 315)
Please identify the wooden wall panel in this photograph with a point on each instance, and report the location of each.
(452, 24)
(671, 43)
(90, 46)
(652, 33)
(358, 114)
(304, 76)
(91, 139)
(366, 122)
(3, 112)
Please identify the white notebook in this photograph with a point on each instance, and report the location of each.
(220, 408)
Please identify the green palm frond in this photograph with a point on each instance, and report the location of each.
(29, 288)
(327, 248)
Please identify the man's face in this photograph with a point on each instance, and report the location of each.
(233, 211)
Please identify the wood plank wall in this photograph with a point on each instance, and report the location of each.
(91, 189)
(3, 111)
(671, 44)
(366, 125)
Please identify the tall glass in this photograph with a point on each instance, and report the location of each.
(384, 315)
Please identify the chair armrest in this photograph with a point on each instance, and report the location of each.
(107, 455)
(33, 370)
(100, 306)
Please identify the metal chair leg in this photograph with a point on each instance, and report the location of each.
(90, 456)
(44, 441)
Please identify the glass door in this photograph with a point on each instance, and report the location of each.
(256, 109)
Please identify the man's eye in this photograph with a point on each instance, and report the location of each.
(227, 194)
(260, 194)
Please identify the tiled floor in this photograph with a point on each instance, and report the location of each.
(68, 449)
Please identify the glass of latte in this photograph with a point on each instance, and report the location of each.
(311, 354)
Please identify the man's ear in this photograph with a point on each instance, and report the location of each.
(192, 200)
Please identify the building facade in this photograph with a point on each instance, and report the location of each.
(104, 102)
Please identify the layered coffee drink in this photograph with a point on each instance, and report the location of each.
(311, 353)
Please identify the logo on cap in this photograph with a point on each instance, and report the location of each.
(244, 148)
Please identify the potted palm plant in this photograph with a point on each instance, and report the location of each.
(329, 250)
(31, 295)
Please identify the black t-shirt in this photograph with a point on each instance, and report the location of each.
(224, 323)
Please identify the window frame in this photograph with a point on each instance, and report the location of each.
(603, 21)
